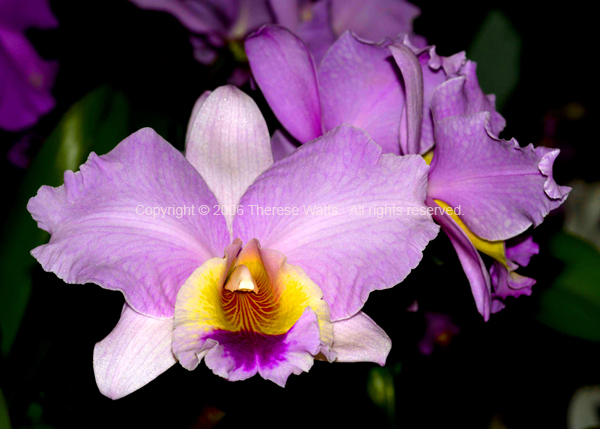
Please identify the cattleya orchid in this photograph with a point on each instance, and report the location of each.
(226, 23)
(410, 101)
(25, 78)
(358, 83)
(501, 189)
(247, 290)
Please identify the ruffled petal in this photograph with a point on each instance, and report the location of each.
(521, 251)
(359, 339)
(507, 282)
(501, 188)
(109, 223)
(552, 189)
(360, 85)
(284, 70)
(470, 260)
(229, 145)
(237, 356)
(356, 220)
(461, 95)
(301, 344)
(436, 70)
(136, 352)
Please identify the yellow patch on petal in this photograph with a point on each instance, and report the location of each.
(296, 292)
(495, 249)
(199, 298)
(244, 295)
(428, 156)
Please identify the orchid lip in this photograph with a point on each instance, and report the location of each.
(249, 312)
(260, 293)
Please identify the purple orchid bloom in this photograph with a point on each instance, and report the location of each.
(501, 189)
(320, 23)
(357, 83)
(25, 79)
(505, 281)
(273, 278)
(215, 24)
(409, 100)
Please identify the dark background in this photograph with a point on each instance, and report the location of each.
(512, 368)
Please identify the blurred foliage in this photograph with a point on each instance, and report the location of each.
(572, 304)
(381, 389)
(497, 50)
(95, 123)
(4, 418)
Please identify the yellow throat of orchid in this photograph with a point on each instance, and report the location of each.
(257, 292)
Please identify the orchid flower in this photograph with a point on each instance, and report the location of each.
(25, 78)
(218, 24)
(320, 23)
(248, 291)
(501, 189)
(409, 100)
(358, 83)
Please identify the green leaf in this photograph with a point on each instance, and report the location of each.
(496, 49)
(381, 390)
(572, 304)
(4, 419)
(98, 122)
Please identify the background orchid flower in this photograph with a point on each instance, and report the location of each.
(439, 330)
(357, 82)
(247, 291)
(320, 23)
(501, 189)
(25, 78)
(216, 24)
(408, 100)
